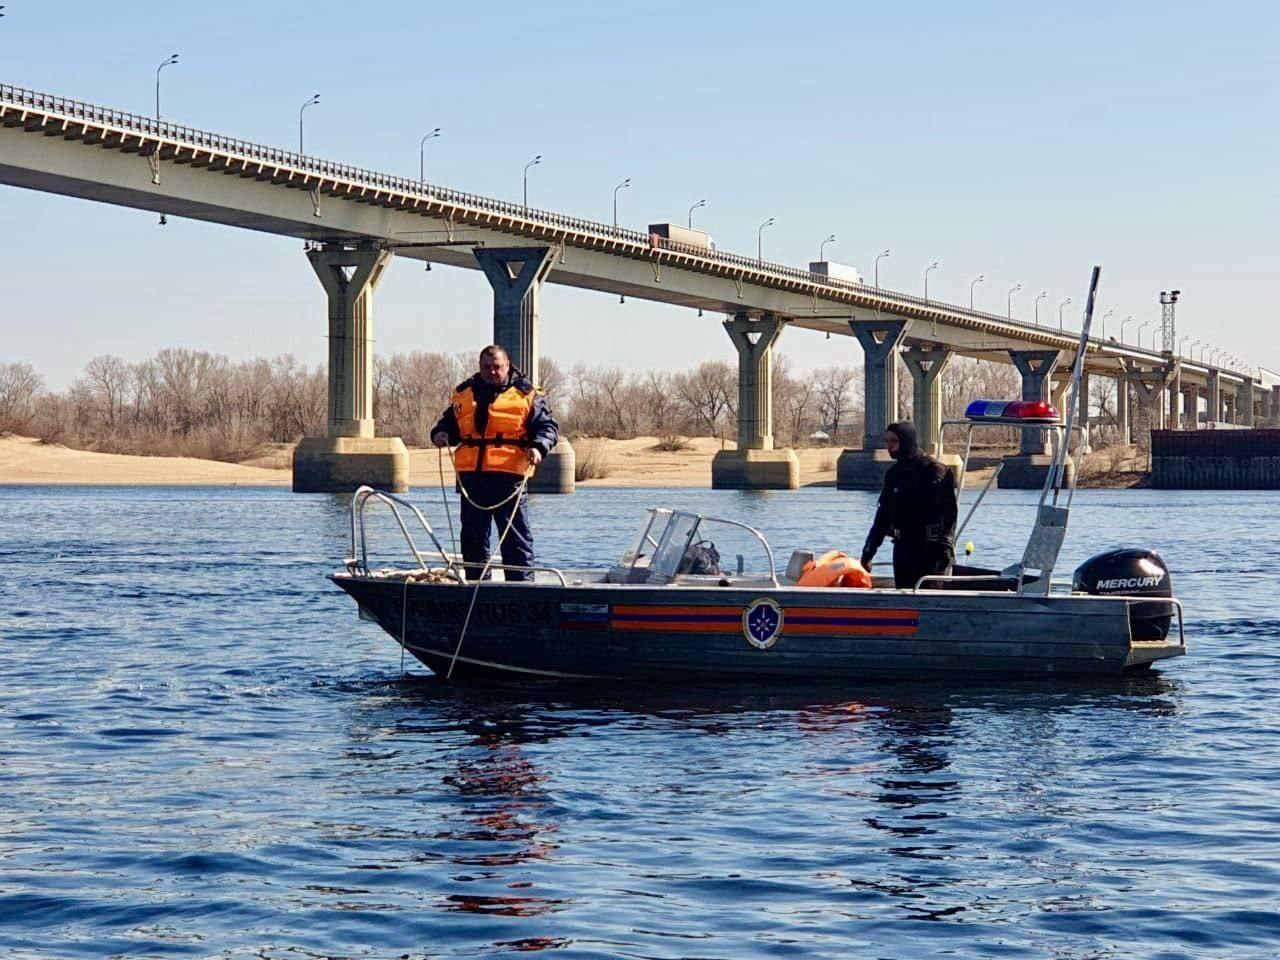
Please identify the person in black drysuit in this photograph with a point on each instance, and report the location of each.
(917, 508)
(496, 378)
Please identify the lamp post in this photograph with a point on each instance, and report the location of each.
(169, 61)
(1181, 342)
(1191, 354)
(1104, 323)
(932, 266)
(1039, 297)
(980, 278)
(830, 239)
(624, 184)
(700, 203)
(1008, 300)
(879, 257)
(532, 163)
(1203, 348)
(1060, 306)
(315, 98)
(1123, 323)
(1138, 336)
(422, 154)
(760, 240)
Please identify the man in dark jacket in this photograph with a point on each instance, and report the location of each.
(917, 508)
(503, 429)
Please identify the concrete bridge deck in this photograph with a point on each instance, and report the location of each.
(57, 145)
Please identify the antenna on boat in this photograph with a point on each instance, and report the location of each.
(1045, 542)
(1077, 374)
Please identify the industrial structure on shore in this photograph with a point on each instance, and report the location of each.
(355, 220)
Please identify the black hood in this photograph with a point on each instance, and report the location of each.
(908, 442)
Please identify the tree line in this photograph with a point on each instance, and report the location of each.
(192, 403)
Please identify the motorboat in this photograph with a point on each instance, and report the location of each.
(662, 613)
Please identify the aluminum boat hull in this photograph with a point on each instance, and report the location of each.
(681, 633)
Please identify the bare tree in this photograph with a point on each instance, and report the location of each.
(20, 386)
(708, 393)
(836, 395)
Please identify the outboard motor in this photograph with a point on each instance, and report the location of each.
(1133, 572)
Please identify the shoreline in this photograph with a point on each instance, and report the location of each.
(620, 464)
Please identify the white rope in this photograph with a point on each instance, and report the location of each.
(453, 540)
(475, 592)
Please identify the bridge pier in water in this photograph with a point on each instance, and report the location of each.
(880, 340)
(516, 275)
(350, 455)
(755, 464)
(1123, 420)
(1027, 469)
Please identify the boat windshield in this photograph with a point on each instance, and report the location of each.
(674, 543)
(646, 542)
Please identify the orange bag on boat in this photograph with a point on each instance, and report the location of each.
(834, 569)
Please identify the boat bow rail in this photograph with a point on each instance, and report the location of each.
(449, 568)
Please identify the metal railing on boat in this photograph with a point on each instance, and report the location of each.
(358, 561)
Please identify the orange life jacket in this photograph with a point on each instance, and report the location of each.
(834, 569)
(503, 444)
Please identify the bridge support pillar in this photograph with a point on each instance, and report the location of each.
(1149, 388)
(1229, 403)
(1244, 403)
(1123, 419)
(516, 275)
(1027, 469)
(350, 455)
(1176, 417)
(926, 367)
(1213, 398)
(1191, 407)
(755, 464)
(880, 339)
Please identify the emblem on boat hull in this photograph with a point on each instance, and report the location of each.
(762, 623)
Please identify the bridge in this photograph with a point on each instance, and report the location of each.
(355, 220)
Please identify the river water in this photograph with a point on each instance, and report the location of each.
(204, 753)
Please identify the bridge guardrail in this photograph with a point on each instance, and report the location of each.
(153, 127)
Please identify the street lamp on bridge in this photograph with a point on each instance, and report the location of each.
(1008, 300)
(169, 61)
(422, 154)
(830, 239)
(315, 98)
(1040, 296)
(1181, 342)
(532, 163)
(700, 203)
(1123, 323)
(879, 257)
(1191, 354)
(760, 240)
(622, 186)
(980, 278)
(1060, 306)
(1144, 323)
(1104, 323)
(932, 266)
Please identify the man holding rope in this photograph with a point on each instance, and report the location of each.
(503, 429)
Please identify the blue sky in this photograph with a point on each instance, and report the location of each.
(1021, 141)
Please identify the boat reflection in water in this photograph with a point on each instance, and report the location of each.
(539, 799)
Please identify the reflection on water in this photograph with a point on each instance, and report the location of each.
(203, 753)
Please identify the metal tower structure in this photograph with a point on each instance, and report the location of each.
(1168, 332)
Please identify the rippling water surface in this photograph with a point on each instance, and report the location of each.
(204, 753)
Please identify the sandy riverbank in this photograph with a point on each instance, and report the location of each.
(621, 463)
